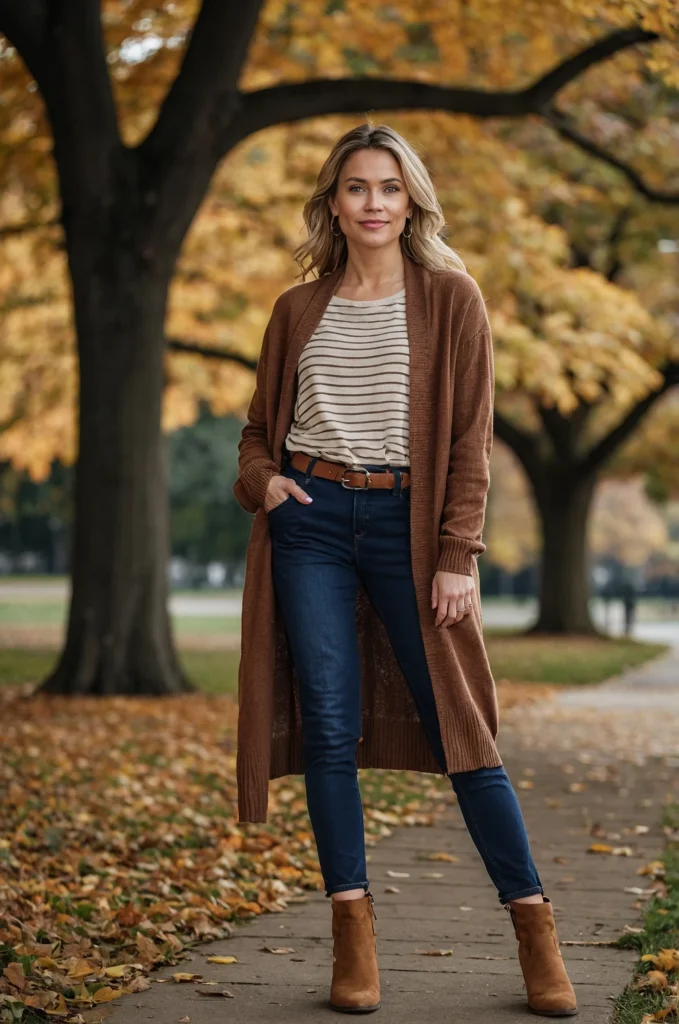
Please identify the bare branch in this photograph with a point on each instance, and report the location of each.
(563, 126)
(207, 352)
(27, 226)
(298, 100)
(607, 446)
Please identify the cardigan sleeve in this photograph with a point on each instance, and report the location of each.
(255, 464)
(468, 465)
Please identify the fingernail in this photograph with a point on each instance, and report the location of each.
(308, 499)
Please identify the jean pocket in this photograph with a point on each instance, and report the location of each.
(286, 501)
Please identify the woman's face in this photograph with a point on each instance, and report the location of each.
(372, 202)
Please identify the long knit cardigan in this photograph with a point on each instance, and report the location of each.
(450, 420)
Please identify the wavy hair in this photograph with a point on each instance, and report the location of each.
(323, 252)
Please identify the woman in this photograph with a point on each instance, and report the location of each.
(365, 461)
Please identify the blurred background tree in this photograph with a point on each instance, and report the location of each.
(139, 121)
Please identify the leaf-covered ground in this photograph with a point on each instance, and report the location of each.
(119, 844)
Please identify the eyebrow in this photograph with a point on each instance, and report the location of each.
(364, 181)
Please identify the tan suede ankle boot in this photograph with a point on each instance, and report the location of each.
(355, 979)
(550, 993)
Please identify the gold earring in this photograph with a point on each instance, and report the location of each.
(332, 227)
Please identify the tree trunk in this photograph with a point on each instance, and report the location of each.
(564, 503)
(119, 638)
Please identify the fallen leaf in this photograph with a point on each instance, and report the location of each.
(181, 977)
(391, 889)
(433, 874)
(666, 960)
(14, 972)
(435, 952)
(118, 971)
(657, 980)
(225, 992)
(398, 874)
(600, 848)
(222, 959)
(184, 1020)
(276, 949)
(448, 857)
(525, 784)
(105, 994)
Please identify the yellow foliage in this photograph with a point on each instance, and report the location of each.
(562, 334)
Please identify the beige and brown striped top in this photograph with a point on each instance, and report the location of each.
(353, 384)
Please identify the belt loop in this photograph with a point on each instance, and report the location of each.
(310, 468)
(397, 482)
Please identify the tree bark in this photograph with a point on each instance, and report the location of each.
(119, 636)
(564, 502)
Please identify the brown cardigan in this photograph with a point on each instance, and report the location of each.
(451, 409)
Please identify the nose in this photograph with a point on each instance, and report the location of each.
(374, 202)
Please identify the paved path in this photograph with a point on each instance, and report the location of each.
(579, 781)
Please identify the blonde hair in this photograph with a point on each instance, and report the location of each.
(323, 252)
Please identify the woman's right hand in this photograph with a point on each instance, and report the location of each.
(282, 488)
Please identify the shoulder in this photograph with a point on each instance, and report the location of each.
(458, 291)
(296, 298)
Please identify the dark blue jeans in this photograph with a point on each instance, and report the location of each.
(319, 553)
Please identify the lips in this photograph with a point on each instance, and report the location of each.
(373, 223)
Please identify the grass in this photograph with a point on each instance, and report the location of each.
(554, 660)
(564, 659)
(661, 931)
(211, 671)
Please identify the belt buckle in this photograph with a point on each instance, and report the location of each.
(351, 487)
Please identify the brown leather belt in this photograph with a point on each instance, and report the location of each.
(352, 479)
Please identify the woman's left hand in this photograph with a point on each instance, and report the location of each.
(451, 595)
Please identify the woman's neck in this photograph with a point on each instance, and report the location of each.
(371, 278)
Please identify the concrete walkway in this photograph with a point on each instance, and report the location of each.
(572, 795)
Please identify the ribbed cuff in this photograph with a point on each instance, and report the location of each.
(456, 554)
(256, 476)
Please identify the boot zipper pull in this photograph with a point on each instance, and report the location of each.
(372, 903)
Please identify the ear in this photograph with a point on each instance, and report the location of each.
(333, 207)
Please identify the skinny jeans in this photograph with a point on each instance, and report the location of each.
(319, 553)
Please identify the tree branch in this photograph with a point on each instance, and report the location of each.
(79, 101)
(562, 430)
(297, 100)
(567, 130)
(207, 352)
(182, 149)
(26, 227)
(24, 23)
(606, 447)
(522, 444)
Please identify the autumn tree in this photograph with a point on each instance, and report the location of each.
(131, 177)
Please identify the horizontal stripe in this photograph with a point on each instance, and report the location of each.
(353, 387)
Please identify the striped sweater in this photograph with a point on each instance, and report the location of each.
(353, 384)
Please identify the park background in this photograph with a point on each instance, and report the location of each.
(152, 179)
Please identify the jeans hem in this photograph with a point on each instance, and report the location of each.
(346, 887)
(533, 891)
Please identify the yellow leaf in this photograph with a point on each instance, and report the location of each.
(180, 976)
(105, 994)
(600, 848)
(222, 959)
